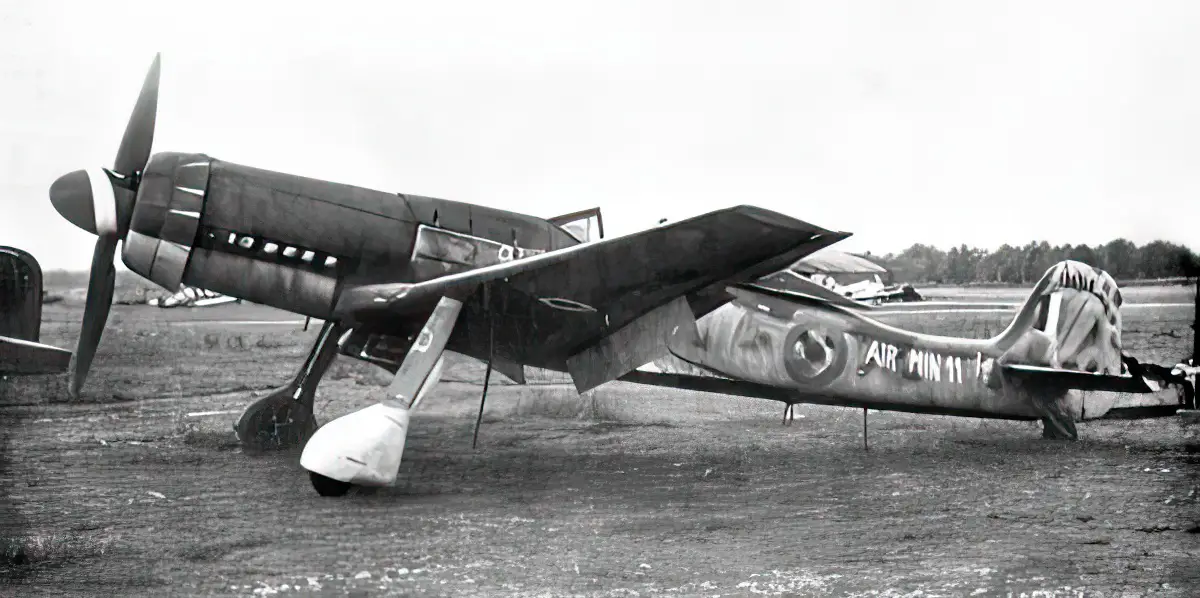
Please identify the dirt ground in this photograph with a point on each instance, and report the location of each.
(139, 488)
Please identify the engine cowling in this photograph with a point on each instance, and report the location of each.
(166, 217)
(172, 241)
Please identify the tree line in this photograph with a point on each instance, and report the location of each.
(1026, 264)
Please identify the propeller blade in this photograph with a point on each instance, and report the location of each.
(134, 151)
(95, 313)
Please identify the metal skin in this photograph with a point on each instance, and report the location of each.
(825, 353)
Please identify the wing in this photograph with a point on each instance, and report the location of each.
(21, 357)
(546, 308)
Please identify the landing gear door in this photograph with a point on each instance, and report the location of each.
(585, 226)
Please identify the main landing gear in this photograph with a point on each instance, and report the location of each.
(284, 418)
(365, 447)
(789, 414)
(328, 486)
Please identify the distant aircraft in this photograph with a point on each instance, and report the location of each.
(21, 318)
(190, 297)
(825, 266)
(810, 345)
(398, 279)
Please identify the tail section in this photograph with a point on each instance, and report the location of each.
(1071, 321)
(1073, 346)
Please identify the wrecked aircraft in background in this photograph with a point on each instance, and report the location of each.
(845, 274)
(21, 318)
(189, 296)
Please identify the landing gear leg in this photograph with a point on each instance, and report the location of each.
(1058, 429)
(1057, 421)
(284, 418)
(365, 447)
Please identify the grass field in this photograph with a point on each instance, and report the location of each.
(139, 488)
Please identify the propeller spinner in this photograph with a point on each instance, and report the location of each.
(101, 202)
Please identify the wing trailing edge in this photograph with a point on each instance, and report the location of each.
(641, 341)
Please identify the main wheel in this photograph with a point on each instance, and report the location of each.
(326, 486)
(275, 422)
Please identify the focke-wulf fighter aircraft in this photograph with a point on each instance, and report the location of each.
(398, 279)
(21, 319)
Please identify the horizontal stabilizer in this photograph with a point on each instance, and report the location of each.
(21, 357)
(1072, 379)
(744, 388)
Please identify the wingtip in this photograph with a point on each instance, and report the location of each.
(781, 219)
(834, 236)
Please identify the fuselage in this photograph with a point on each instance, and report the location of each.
(293, 242)
(821, 352)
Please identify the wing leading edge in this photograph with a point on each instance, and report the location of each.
(546, 308)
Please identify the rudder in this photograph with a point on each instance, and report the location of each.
(20, 295)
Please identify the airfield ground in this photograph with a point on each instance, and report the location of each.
(139, 489)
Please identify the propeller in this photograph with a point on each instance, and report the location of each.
(101, 202)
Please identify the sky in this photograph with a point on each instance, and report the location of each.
(936, 122)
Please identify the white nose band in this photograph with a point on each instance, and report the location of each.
(104, 202)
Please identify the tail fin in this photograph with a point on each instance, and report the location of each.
(1072, 320)
(20, 295)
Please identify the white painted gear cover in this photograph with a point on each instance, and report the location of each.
(362, 448)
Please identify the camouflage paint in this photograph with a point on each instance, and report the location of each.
(817, 348)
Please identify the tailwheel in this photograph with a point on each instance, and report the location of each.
(275, 422)
(326, 486)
